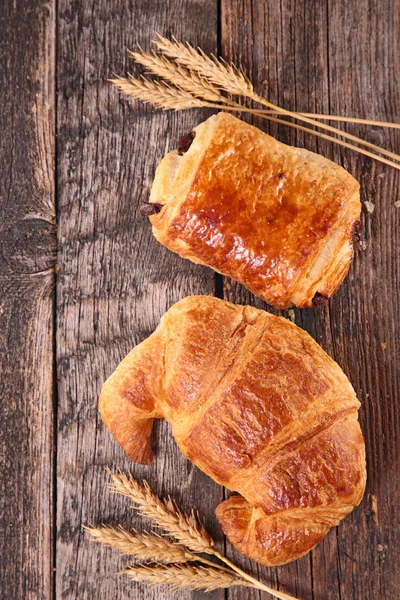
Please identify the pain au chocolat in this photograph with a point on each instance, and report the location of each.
(276, 218)
(258, 406)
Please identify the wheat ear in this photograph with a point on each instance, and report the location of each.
(143, 546)
(222, 74)
(178, 577)
(158, 93)
(187, 529)
(186, 80)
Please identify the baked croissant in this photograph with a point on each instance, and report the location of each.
(278, 219)
(256, 404)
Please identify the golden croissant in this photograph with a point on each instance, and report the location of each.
(256, 404)
(278, 219)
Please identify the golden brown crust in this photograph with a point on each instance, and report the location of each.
(128, 401)
(256, 404)
(276, 218)
(271, 540)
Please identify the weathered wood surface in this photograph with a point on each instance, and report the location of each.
(114, 281)
(27, 258)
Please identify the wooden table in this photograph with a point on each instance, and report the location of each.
(82, 280)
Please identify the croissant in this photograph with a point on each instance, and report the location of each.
(278, 219)
(258, 406)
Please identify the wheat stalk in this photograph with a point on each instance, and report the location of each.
(187, 529)
(177, 577)
(143, 546)
(200, 87)
(167, 97)
(349, 136)
(176, 572)
(229, 78)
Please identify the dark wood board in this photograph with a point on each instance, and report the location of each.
(27, 259)
(114, 281)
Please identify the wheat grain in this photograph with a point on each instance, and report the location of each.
(143, 546)
(193, 577)
(187, 529)
(369, 206)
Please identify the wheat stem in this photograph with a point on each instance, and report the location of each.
(252, 580)
(332, 139)
(340, 118)
(311, 131)
(344, 134)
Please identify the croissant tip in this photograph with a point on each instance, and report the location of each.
(145, 459)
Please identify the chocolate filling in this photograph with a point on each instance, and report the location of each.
(319, 299)
(359, 240)
(185, 142)
(149, 208)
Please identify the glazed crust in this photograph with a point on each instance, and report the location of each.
(276, 218)
(256, 404)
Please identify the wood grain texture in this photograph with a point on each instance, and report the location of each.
(333, 57)
(27, 258)
(115, 281)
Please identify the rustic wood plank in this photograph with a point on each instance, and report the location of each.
(115, 280)
(342, 57)
(27, 258)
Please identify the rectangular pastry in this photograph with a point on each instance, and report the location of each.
(278, 219)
